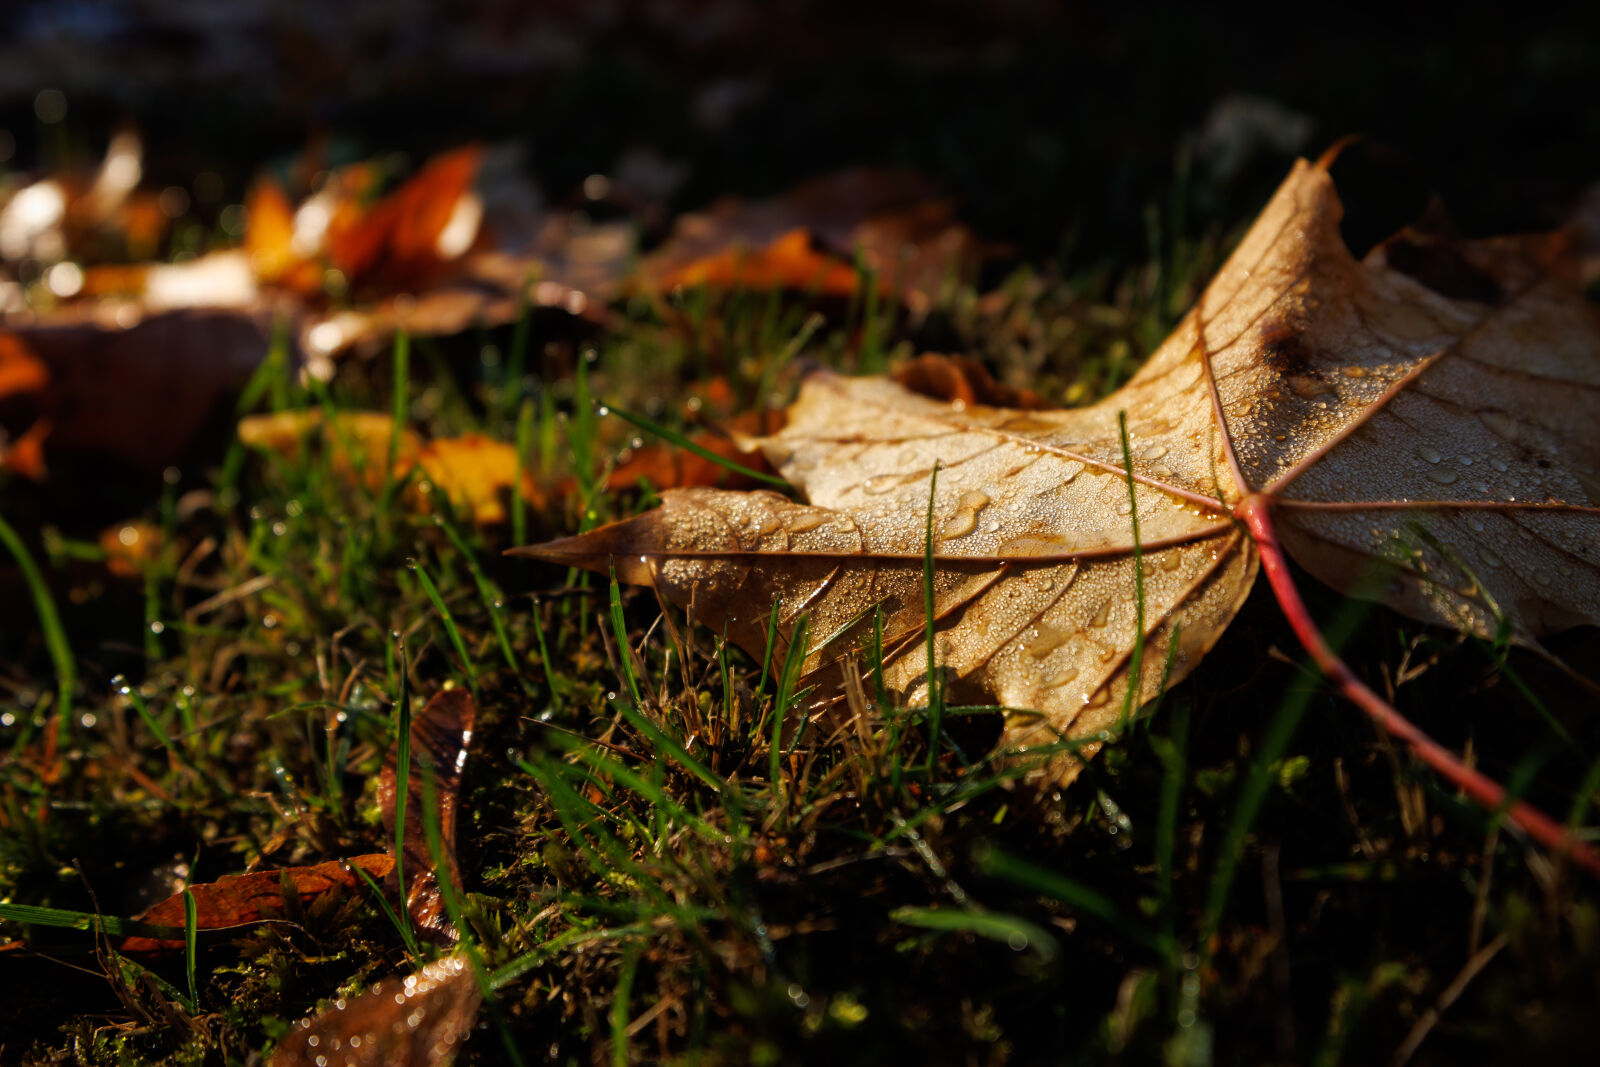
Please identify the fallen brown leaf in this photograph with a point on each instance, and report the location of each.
(240, 899)
(1447, 441)
(439, 738)
(416, 1021)
(810, 239)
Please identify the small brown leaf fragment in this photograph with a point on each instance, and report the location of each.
(246, 898)
(790, 261)
(415, 1021)
(439, 738)
(810, 240)
(965, 379)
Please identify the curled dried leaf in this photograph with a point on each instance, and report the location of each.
(240, 899)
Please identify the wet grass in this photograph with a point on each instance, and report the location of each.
(652, 869)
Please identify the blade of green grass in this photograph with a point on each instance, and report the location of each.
(402, 748)
(1136, 659)
(400, 406)
(772, 640)
(794, 658)
(935, 688)
(524, 446)
(450, 628)
(407, 935)
(619, 629)
(55, 635)
(191, 923)
(670, 746)
(1009, 930)
(678, 440)
(488, 592)
(994, 862)
(67, 919)
(619, 1007)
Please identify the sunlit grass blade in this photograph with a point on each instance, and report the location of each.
(788, 678)
(671, 747)
(996, 863)
(935, 682)
(619, 629)
(619, 1007)
(1136, 658)
(407, 935)
(191, 924)
(402, 760)
(400, 407)
(772, 641)
(678, 440)
(55, 635)
(450, 628)
(524, 447)
(1007, 929)
(67, 919)
(491, 596)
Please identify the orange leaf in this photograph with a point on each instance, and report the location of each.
(130, 547)
(788, 262)
(21, 371)
(246, 898)
(473, 471)
(269, 236)
(401, 235)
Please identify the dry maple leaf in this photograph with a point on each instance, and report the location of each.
(1431, 413)
(416, 1021)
